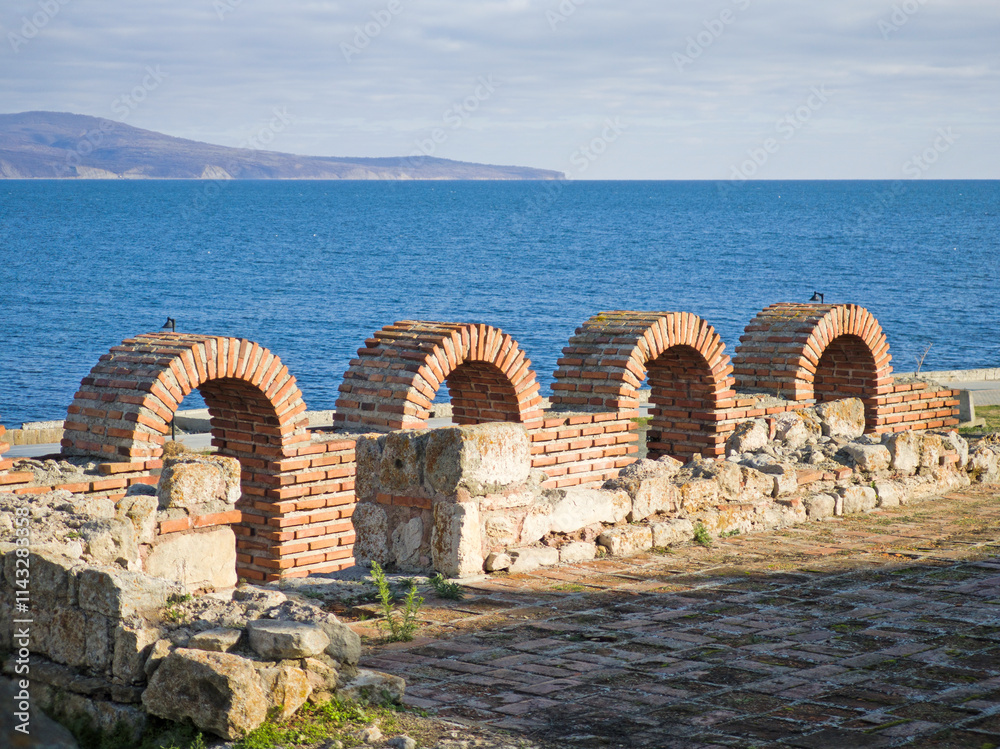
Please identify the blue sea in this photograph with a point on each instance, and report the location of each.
(310, 269)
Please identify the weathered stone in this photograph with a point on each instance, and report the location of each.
(984, 465)
(190, 479)
(133, 644)
(482, 458)
(858, 499)
(931, 449)
(406, 542)
(119, 594)
(842, 418)
(111, 541)
(728, 475)
(45, 733)
(374, 686)
(140, 510)
(501, 531)
(785, 478)
(60, 633)
(794, 429)
(654, 494)
(371, 529)
(498, 561)
(747, 437)
(954, 441)
(671, 532)
(368, 458)
(402, 460)
(402, 742)
(220, 640)
(322, 675)
(287, 688)
(889, 493)
(869, 458)
(277, 640)
(698, 494)
(627, 540)
(904, 451)
(204, 559)
(456, 539)
(569, 510)
(264, 597)
(531, 558)
(160, 650)
(819, 506)
(345, 643)
(577, 551)
(218, 692)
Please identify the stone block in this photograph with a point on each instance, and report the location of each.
(904, 451)
(371, 530)
(747, 437)
(577, 551)
(456, 539)
(671, 532)
(627, 540)
(889, 493)
(819, 506)
(858, 499)
(287, 688)
(111, 541)
(133, 644)
(842, 418)
(401, 465)
(954, 441)
(196, 560)
(700, 494)
(368, 459)
(869, 458)
(483, 458)
(220, 693)
(373, 686)
(219, 640)
(530, 558)
(119, 594)
(498, 561)
(407, 539)
(653, 495)
(189, 479)
(277, 640)
(345, 643)
(140, 510)
(984, 465)
(794, 429)
(569, 510)
(784, 477)
(501, 531)
(931, 450)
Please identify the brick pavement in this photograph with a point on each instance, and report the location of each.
(880, 630)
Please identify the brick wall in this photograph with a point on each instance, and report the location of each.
(583, 449)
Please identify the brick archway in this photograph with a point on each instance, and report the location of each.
(123, 411)
(399, 371)
(689, 373)
(817, 352)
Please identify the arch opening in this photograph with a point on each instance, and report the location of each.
(847, 369)
(682, 391)
(480, 392)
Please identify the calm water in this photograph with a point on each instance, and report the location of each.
(311, 269)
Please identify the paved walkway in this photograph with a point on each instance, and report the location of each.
(876, 631)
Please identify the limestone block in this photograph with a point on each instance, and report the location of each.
(819, 506)
(654, 494)
(277, 640)
(482, 458)
(189, 479)
(373, 686)
(118, 594)
(160, 650)
(904, 451)
(671, 532)
(60, 633)
(501, 531)
(530, 558)
(747, 437)
(726, 474)
(931, 450)
(406, 542)
(345, 643)
(321, 674)
(371, 530)
(456, 539)
(699, 494)
(220, 640)
(858, 499)
(140, 510)
(573, 509)
(577, 551)
(632, 475)
(498, 561)
(784, 477)
(627, 540)
(287, 688)
(111, 541)
(984, 465)
(889, 493)
(132, 646)
(794, 429)
(196, 560)
(954, 441)
(218, 692)
(869, 458)
(842, 418)
(400, 469)
(368, 458)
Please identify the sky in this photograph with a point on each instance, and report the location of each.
(598, 89)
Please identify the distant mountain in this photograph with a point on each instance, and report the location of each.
(58, 145)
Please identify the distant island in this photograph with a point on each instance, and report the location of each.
(59, 145)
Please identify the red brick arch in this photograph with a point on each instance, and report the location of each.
(393, 382)
(689, 373)
(816, 352)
